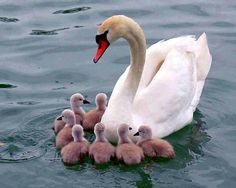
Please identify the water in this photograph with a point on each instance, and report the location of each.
(46, 51)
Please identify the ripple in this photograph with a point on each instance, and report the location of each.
(29, 141)
(28, 103)
(27, 155)
(72, 10)
(7, 86)
(128, 12)
(59, 88)
(222, 24)
(8, 20)
(192, 9)
(48, 32)
(177, 25)
(230, 41)
(78, 26)
(225, 34)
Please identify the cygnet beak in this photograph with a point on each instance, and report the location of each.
(136, 134)
(59, 118)
(86, 102)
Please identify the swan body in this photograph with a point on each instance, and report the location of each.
(162, 85)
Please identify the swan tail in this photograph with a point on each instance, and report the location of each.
(204, 58)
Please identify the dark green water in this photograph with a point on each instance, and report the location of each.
(46, 51)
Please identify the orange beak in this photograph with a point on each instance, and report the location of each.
(103, 44)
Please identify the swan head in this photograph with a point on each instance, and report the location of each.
(68, 117)
(77, 100)
(144, 132)
(101, 100)
(77, 133)
(110, 30)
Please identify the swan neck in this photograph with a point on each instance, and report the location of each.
(137, 43)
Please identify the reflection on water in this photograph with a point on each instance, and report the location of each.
(7, 20)
(72, 10)
(51, 32)
(7, 86)
(145, 179)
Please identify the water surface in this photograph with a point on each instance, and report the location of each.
(46, 51)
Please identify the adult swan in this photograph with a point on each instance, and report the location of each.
(163, 84)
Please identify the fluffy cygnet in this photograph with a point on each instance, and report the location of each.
(75, 151)
(64, 137)
(76, 102)
(101, 150)
(153, 147)
(126, 150)
(94, 116)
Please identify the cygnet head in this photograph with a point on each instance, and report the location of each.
(144, 132)
(68, 117)
(99, 128)
(78, 133)
(77, 100)
(101, 100)
(123, 133)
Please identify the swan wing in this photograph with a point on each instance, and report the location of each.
(156, 54)
(165, 103)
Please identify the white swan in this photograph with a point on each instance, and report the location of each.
(163, 84)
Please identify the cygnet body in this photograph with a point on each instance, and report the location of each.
(126, 150)
(75, 151)
(76, 102)
(101, 150)
(153, 147)
(94, 116)
(64, 137)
